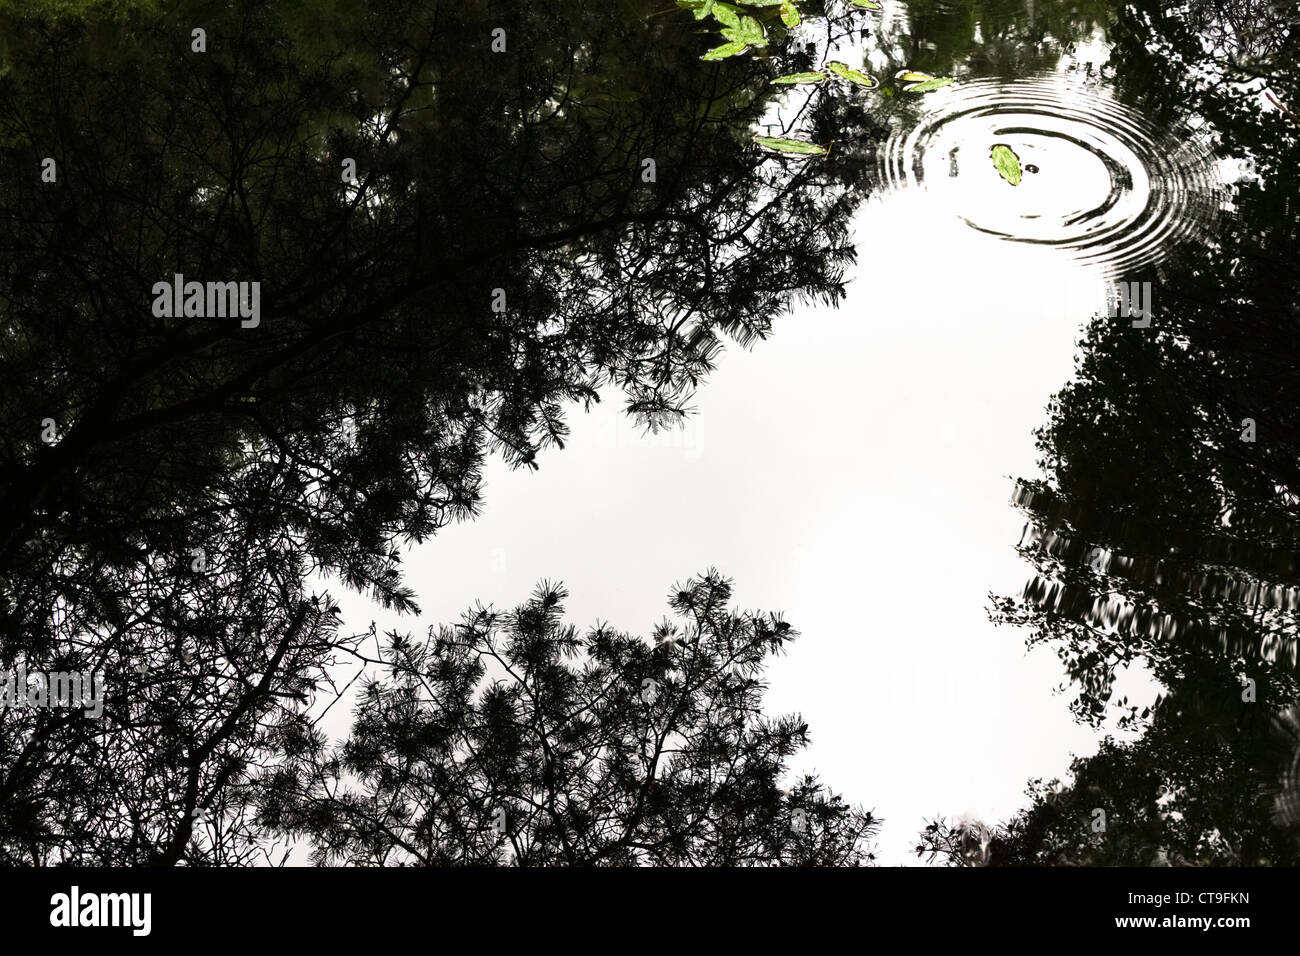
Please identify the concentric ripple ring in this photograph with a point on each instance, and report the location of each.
(1099, 182)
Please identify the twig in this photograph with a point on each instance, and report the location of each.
(1273, 99)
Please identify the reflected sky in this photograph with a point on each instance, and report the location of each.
(818, 474)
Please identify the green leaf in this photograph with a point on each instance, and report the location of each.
(866, 4)
(800, 78)
(852, 75)
(724, 51)
(749, 31)
(1007, 163)
(700, 8)
(725, 14)
(789, 14)
(790, 145)
(908, 76)
(933, 83)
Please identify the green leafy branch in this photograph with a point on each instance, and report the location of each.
(741, 29)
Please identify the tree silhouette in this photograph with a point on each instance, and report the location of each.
(1209, 783)
(179, 490)
(510, 738)
(1164, 530)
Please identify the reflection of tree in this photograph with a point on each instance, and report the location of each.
(1271, 63)
(1251, 34)
(991, 37)
(1199, 787)
(966, 38)
(1163, 535)
(511, 738)
(357, 414)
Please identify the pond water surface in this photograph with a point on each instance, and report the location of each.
(859, 470)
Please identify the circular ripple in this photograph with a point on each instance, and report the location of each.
(1099, 183)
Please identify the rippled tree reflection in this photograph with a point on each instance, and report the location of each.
(1166, 530)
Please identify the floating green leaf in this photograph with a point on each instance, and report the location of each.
(724, 51)
(866, 4)
(789, 14)
(790, 145)
(909, 76)
(933, 83)
(854, 76)
(1007, 163)
(800, 78)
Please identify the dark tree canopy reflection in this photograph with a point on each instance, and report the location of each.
(1165, 530)
(525, 227)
